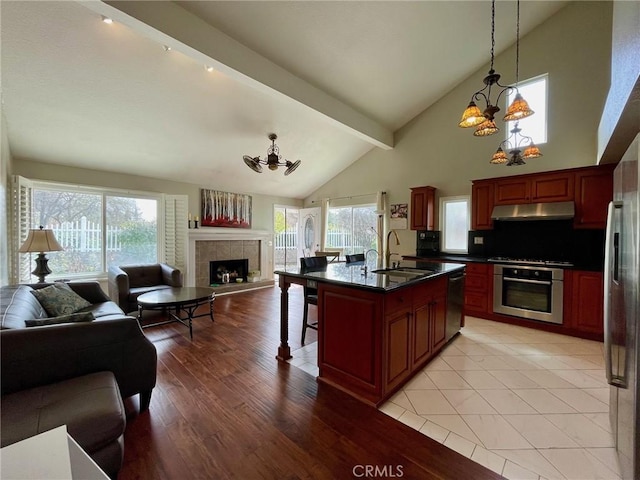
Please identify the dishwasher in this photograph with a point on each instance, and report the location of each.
(455, 300)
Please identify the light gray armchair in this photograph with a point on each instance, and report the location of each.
(127, 283)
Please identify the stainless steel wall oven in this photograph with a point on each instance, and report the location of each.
(530, 292)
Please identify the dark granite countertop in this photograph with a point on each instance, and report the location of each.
(379, 280)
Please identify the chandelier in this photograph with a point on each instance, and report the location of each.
(514, 145)
(273, 160)
(484, 120)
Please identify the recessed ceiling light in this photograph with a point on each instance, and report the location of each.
(167, 48)
(208, 68)
(107, 20)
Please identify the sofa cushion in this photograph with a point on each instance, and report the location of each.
(102, 310)
(89, 405)
(144, 275)
(71, 318)
(16, 305)
(58, 299)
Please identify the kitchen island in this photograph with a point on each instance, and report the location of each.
(375, 328)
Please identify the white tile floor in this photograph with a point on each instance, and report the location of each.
(525, 403)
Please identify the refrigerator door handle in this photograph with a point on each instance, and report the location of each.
(611, 263)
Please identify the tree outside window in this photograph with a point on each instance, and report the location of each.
(96, 230)
(352, 229)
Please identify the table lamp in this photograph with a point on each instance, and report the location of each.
(41, 241)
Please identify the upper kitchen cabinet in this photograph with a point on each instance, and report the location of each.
(481, 205)
(590, 188)
(423, 209)
(537, 188)
(594, 191)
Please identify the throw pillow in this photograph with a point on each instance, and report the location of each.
(58, 299)
(71, 318)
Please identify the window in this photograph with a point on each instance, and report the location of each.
(455, 223)
(351, 229)
(97, 229)
(534, 92)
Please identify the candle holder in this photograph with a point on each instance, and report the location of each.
(196, 222)
(189, 223)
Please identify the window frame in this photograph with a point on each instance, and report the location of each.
(443, 219)
(103, 192)
(340, 205)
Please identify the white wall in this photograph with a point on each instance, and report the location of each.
(5, 165)
(573, 47)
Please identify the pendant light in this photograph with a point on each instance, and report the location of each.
(518, 109)
(514, 145)
(484, 120)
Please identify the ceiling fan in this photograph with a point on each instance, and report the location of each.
(273, 160)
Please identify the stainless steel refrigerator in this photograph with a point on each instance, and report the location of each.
(621, 312)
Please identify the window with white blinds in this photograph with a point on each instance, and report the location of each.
(175, 230)
(19, 263)
(97, 228)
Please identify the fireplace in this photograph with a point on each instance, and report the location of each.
(219, 244)
(236, 269)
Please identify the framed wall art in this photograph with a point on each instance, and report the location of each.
(225, 209)
(399, 216)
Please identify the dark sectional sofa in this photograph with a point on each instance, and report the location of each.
(72, 373)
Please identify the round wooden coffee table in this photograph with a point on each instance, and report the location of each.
(180, 303)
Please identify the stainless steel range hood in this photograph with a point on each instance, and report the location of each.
(535, 211)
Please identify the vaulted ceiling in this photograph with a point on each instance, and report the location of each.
(332, 79)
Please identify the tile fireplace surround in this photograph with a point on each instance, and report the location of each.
(209, 243)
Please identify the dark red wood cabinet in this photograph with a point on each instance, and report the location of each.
(482, 205)
(594, 191)
(552, 187)
(543, 187)
(423, 208)
(478, 288)
(583, 301)
(415, 323)
(511, 190)
(591, 188)
(370, 343)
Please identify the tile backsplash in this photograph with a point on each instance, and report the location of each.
(540, 239)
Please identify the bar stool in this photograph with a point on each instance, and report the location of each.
(307, 265)
(357, 258)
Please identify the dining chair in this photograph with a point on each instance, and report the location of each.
(333, 256)
(355, 258)
(307, 265)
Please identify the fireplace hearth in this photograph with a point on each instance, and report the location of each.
(232, 270)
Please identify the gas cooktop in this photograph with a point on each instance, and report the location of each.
(531, 261)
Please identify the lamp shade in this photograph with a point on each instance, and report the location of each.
(40, 240)
(488, 127)
(472, 116)
(499, 157)
(532, 151)
(518, 109)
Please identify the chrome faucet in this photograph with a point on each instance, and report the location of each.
(364, 268)
(387, 257)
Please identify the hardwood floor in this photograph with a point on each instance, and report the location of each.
(224, 407)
